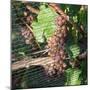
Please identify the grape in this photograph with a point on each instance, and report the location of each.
(29, 19)
(27, 34)
(25, 13)
(27, 41)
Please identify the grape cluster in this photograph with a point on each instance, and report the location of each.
(28, 18)
(25, 31)
(56, 46)
(29, 37)
(27, 34)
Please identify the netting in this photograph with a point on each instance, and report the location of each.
(29, 53)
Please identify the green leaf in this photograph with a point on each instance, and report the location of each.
(45, 23)
(73, 76)
(38, 31)
(75, 19)
(82, 17)
(73, 50)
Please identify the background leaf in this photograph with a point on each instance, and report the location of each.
(73, 76)
(73, 50)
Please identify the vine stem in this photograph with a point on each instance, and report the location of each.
(83, 55)
(56, 8)
(30, 8)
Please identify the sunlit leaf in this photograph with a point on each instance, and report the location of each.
(73, 76)
(45, 23)
(73, 50)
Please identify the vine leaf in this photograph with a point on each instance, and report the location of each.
(73, 76)
(73, 50)
(45, 23)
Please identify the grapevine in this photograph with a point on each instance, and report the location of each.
(50, 42)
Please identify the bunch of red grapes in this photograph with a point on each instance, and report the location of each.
(56, 46)
(27, 34)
